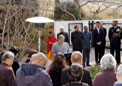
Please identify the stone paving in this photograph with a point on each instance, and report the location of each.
(92, 55)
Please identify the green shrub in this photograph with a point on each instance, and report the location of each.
(95, 70)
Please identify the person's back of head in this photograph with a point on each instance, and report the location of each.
(58, 64)
(1, 54)
(30, 53)
(39, 59)
(75, 74)
(7, 58)
(33, 73)
(108, 62)
(14, 50)
(76, 57)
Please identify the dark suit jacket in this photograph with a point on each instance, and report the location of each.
(76, 39)
(98, 37)
(115, 39)
(86, 77)
(105, 33)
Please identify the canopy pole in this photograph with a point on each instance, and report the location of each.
(39, 41)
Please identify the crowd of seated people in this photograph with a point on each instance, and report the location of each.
(35, 73)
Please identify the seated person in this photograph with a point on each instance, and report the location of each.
(108, 76)
(60, 46)
(76, 59)
(33, 73)
(75, 76)
(6, 72)
(119, 76)
(55, 69)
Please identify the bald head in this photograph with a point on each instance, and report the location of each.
(61, 29)
(76, 57)
(39, 59)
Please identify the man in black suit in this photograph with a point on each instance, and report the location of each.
(76, 59)
(76, 39)
(98, 38)
(104, 41)
(115, 35)
(65, 34)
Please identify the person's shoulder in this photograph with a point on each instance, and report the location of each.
(66, 84)
(65, 69)
(85, 70)
(5, 68)
(89, 32)
(41, 70)
(81, 32)
(55, 44)
(94, 30)
(66, 32)
(99, 76)
(58, 33)
(73, 32)
(66, 43)
(104, 28)
(84, 84)
(111, 27)
(118, 26)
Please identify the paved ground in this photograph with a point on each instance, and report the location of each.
(92, 55)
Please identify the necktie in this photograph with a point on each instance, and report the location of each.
(98, 30)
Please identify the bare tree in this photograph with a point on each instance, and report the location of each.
(95, 7)
(15, 31)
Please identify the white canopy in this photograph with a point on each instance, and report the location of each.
(39, 20)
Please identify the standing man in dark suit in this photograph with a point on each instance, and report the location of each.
(104, 41)
(76, 38)
(98, 38)
(115, 34)
(63, 33)
(76, 59)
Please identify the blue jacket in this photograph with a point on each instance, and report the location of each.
(32, 75)
(86, 39)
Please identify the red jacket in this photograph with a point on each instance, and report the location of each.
(50, 41)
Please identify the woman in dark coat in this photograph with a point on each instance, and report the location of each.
(55, 69)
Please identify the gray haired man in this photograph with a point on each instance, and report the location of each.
(60, 46)
(6, 72)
